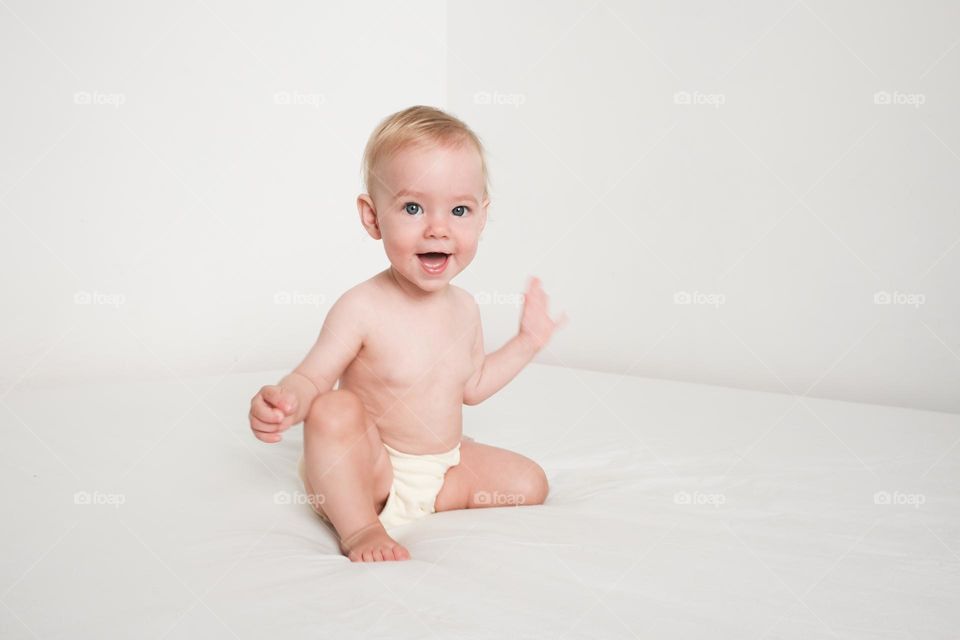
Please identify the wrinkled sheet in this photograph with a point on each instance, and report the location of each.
(148, 510)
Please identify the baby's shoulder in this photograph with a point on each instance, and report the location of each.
(352, 307)
(360, 295)
(465, 300)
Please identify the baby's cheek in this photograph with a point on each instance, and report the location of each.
(467, 253)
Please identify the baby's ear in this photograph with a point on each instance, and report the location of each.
(483, 213)
(368, 215)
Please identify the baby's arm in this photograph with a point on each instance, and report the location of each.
(337, 345)
(493, 371)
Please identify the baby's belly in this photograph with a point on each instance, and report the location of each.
(412, 421)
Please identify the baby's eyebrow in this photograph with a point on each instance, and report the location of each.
(417, 194)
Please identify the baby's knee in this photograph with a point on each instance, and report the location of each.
(338, 413)
(534, 485)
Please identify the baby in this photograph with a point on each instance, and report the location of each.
(386, 447)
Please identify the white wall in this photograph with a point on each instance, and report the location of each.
(782, 187)
(199, 198)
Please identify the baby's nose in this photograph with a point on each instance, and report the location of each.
(437, 226)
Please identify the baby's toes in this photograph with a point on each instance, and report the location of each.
(378, 555)
(388, 553)
(400, 553)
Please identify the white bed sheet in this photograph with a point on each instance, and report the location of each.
(676, 511)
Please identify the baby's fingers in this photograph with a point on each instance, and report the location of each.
(281, 399)
(265, 413)
(269, 429)
(536, 293)
(289, 405)
(265, 432)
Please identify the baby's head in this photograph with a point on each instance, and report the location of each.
(426, 193)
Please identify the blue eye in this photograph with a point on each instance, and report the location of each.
(460, 210)
(412, 208)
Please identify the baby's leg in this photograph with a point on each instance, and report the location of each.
(349, 475)
(489, 476)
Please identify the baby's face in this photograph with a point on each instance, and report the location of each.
(428, 206)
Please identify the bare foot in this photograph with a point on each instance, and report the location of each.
(372, 544)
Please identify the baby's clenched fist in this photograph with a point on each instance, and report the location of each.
(271, 411)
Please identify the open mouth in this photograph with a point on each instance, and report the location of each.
(433, 262)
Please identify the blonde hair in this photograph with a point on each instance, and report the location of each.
(415, 125)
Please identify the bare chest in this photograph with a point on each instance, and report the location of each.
(428, 349)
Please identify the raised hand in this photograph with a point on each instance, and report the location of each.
(536, 325)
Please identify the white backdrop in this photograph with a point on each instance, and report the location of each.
(210, 167)
(714, 193)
